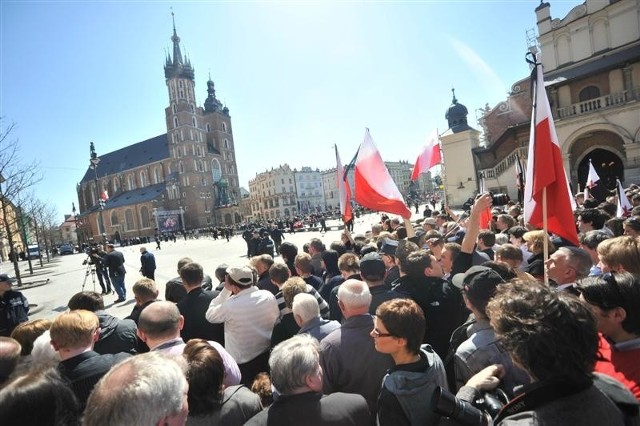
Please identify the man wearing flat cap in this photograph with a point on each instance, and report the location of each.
(14, 307)
(249, 315)
(388, 255)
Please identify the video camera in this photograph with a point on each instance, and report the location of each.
(478, 413)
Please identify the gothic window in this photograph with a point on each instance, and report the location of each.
(144, 217)
(216, 170)
(156, 175)
(200, 166)
(193, 109)
(175, 122)
(180, 167)
(208, 127)
(130, 183)
(589, 92)
(168, 169)
(224, 127)
(193, 121)
(143, 178)
(174, 108)
(226, 144)
(115, 185)
(114, 218)
(128, 220)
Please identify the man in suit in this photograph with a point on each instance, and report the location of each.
(147, 263)
(114, 261)
(73, 335)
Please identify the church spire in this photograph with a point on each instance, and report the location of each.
(177, 55)
(176, 66)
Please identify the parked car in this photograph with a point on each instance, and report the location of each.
(33, 251)
(65, 249)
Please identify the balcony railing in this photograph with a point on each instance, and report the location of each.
(506, 163)
(597, 104)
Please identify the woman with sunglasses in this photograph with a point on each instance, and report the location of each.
(614, 300)
(407, 389)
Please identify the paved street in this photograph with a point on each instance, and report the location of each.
(67, 274)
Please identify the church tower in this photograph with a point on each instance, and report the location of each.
(201, 177)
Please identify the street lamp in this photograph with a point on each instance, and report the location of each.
(94, 160)
(75, 220)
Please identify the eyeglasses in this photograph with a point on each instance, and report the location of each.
(375, 333)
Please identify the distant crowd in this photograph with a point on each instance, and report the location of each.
(427, 323)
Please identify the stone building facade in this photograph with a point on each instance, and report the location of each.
(184, 179)
(309, 190)
(273, 194)
(591, 60)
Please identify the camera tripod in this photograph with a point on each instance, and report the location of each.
(91, 270)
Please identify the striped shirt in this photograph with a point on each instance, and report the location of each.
(324, 307)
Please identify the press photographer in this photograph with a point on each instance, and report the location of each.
(96, 258)
(552, 335)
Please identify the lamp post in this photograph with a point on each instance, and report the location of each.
(94, 160)
(75, 220)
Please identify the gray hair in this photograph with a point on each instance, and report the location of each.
(306, 306)
(502, 239)
(354, 294)
(43, 353)
(292, 361)
(139, 391)
(579, 260)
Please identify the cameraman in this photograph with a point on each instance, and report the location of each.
(552, 335)
(96, 258)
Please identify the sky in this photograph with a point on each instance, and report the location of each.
(297, 77)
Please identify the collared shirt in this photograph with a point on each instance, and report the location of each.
(175, 347)
(248, 318)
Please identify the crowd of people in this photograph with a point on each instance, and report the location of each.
(406, 324)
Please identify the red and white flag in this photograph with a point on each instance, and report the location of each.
(343, 190)
(429, 157)
(374, 187)
(104, 196)
(546, 171)
(624, 206)
(592, 177)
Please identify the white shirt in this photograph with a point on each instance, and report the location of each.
(248, 318)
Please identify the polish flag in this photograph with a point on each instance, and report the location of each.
(104, 196)
(592, 177)
(374, 187)
(343, 190)
(624, 206)
(546, 171)
(429, 157)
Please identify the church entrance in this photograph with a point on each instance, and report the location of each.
(607, 165)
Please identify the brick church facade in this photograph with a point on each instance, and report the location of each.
(184, 179)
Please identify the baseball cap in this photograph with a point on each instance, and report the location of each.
(389, 247)
(5, 278)
(243, 275)
(372, 267)
(479, 281)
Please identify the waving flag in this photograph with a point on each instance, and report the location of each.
(343, 190)
(594, 188)
(374, 187)
(429, 157)
(624, 206)
(545, 171)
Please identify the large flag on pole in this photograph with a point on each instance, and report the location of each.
(343, 190)
(519, 179)
(545, 170)
(429, 157)
(624, 206)
(374, 187)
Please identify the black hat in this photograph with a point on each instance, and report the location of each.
(479, 282)
(389, 247)
(372, 267)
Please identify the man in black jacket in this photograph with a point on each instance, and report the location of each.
(114, 260)
(14, 308)
(73, 335)
(147, 264)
